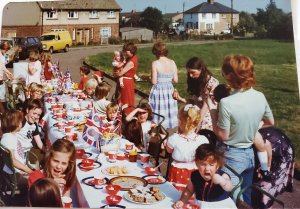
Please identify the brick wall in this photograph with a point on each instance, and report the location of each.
(21, 30)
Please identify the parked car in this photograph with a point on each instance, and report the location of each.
(56, 40)
(12, 55)
(27, 44)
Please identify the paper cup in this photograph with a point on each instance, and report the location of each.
(112, 155)
(99, 181)
(144, 158)
(129, 146)
(67, 201)
(68, 129)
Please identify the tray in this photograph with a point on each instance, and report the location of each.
(128, 182)
(127, 197)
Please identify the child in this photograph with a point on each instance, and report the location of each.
(29, 134)
(34, 68)
(112, 121)
(264, 153)
(182, 146)
(60, 165)
(84, 71)
(101, 102)
(11, 123)
(44, 193)
(208, 182)
(46, 61)
(143, 113)
(118, 64)
(36, 91)
(90, 87)
(134, 134)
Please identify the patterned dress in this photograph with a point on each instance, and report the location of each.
(206, 123)
(282, 167)
(162, 102)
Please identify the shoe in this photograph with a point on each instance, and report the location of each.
(265, 175)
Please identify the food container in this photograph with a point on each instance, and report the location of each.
(112, 189)
(113, 199)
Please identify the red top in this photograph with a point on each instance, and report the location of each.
(47, 71)
(35, 175)
(130, 73)
(82, 82)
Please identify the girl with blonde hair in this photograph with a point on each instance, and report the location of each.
(182, 146)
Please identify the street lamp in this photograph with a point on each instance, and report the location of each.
(231, 17)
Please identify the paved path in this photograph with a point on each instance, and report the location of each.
(74, 59)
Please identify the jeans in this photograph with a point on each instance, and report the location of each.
(242, 161)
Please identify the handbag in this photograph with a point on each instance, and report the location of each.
(157, 135)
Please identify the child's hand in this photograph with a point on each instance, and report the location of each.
(121, 84)
(178, 205)
(217, 179)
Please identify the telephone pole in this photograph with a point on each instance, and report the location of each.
(231, 23)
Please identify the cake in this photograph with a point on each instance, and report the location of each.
(146, 195)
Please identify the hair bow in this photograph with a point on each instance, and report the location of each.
(188, 106)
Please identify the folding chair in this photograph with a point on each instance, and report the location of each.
(242, 204)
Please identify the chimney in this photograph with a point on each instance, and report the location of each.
(210, 1)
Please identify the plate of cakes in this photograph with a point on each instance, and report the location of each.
(145, 195)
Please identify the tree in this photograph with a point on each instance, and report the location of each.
(246, 22)
(152, 18)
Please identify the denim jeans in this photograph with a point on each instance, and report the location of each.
(242, 161)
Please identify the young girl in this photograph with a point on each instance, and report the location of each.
(46, 61)
(163, 75)
(101, 102)
(34, 68)
(143, 113)
(112, 121)
(182, 146)
(84, 71)
(44, 193)
(60, 165)
(29, 135)
(134, 134)
(210, 184)
(11, 123)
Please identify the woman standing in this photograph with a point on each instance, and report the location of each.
(238, 118)
(163, 74)
(201, 85)
(128, 72)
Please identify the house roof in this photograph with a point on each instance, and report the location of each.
(210, 8)
(80, 4)
(170, 15)
(131, 14)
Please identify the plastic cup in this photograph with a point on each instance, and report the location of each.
(144, 158)
(99, 181)
(68, 129)
(112, 155)
(67, 201)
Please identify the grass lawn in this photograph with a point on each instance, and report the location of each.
(275, 66)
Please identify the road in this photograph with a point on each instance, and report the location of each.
(73, 59)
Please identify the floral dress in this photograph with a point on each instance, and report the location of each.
(282, 167)
(206, 122)
(183, 158)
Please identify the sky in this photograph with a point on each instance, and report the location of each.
(170, 6)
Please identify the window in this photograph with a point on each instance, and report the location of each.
(111, 14)
(209, 26)
(235, 16)
(203, 15)
(93, 14)
(223, 15)
(51, 15)
(214, 15)
(72, 14)
(196, 25)
(105, 32)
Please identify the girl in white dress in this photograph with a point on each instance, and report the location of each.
(182, 146)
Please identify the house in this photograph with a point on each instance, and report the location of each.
(141, 34)
(211, 17)
(86, 20)
(130, 19)
(174, 19)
